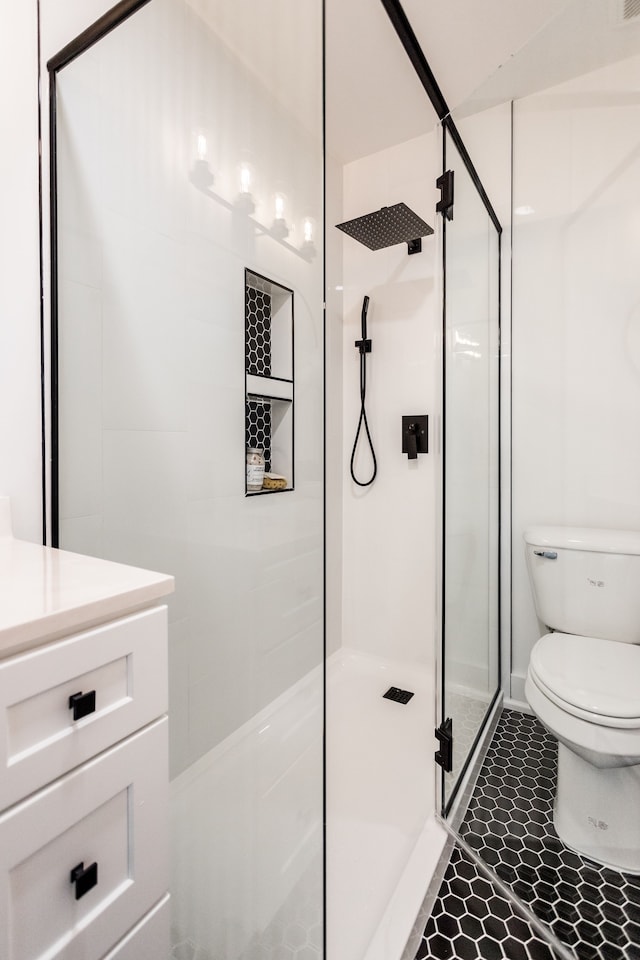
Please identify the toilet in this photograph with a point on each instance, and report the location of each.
(583, 684)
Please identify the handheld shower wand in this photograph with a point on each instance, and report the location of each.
(364, 347)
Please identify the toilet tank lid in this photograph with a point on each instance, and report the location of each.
(597, 540)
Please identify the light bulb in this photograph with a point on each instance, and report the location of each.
(308, 247)
(245, 178)
(244, 200)
(279, 228)
(200, 174)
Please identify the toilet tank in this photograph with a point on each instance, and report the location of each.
(586, 581)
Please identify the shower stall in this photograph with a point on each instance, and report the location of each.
(203, 304)
(193, 170)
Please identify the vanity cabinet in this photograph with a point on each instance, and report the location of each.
(148, 939)
(121, 667)
(84, 770)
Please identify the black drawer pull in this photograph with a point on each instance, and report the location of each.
(82, 704)
(84, 879)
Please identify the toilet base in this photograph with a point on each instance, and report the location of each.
(596, 811)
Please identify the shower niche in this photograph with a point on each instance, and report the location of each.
(269, 379)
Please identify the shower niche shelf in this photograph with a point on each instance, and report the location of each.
(269, 379)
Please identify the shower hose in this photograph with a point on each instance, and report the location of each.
(364, 347)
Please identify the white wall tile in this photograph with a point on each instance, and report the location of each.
(20, 420)
(80, 376)
(80, 257)
(83, 535)
(167, 262)
(576, 402)
(389, 559)
(487, 137)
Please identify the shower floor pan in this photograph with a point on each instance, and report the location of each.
(383, 844)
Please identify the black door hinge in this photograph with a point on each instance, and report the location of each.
(445, 186)
(444, 736)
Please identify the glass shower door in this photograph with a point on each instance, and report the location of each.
(470, 602)
(179, 135)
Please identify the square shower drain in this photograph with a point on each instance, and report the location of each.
(400, 696)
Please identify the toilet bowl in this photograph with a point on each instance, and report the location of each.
(585, 689)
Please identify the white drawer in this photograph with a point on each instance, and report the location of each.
(124, 662)
(149, 939)
(112, 811)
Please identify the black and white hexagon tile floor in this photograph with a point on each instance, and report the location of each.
(593, 910)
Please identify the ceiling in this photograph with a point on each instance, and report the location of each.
(482, 52)
(585, 36)
(374, 98)
(466, 41)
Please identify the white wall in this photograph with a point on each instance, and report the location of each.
(152, 352)
(20, 433)
(487, 137)
(152, 298)
(390, 529)
(389, 549)
(20, 341)
(576, 317)
(334, 363)
(471, 442)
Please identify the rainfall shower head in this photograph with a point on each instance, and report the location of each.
(388, 226)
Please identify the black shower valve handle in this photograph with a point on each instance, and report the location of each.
(412, 442)
(415, 435)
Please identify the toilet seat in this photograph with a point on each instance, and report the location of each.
(590, 678)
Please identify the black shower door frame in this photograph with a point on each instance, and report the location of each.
(416, 55)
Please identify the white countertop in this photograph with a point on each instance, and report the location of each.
(47, 593)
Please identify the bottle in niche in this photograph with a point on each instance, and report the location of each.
(255, 468)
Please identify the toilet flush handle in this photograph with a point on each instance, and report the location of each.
(547, 554)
